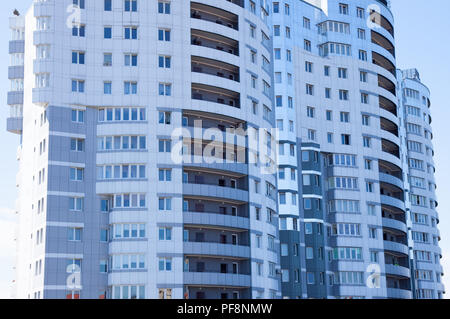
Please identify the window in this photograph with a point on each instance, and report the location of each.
(79, 31)
(78, 116)
(130, 88)
(76, 204)
(164, 35)
(367, 142)
(369, 187)
(343, 8)
(130, 60)
(343, 206)
(345, 139)
(308, 67)
(164, 146)
(342, 73)
(130, 200)
(329, 115)
(326, 70)
(76, 174)
(347, 253)
(309, 89)
(165, 264)
(165, 89)
(76, 145)
(165, 175)
(165, 233)
(366, 120)
(327, 93)
(107, 59)
(307, 45)
(363, 76)
(361, 34)
(74, 234)
(364, 98)
(78, 86)
(343, 95)
(78, 57)
(306, 23)
(164, 61)
(350, 183)
(345, 160)
(163, 7)
(330, 138)
(165, 204)
(130, 5)
(362, 55)
(360, 13)
(128, 231)
(311, 112)
(130, 33)
(345, 117)
(107, 88)
(346, 229)
(107, 32)
(277, 54)
(108, 5)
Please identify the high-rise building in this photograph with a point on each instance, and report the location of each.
(99, 89)
(150, 167)
(347, 156)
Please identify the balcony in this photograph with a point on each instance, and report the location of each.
(14, 125)
(214, 15)
(380, 40)
(394, 224)
(216, 219)
(397, 270)
(388, 105)
(394, 293)
(216, 280)
(386, 168)
(395, 247)
(216, 249)
(387, 84)
(199, 176)
(381, 61)
(389, 147)
(214, 94)
(381, 20)
(213, 191)
(388, 126)
(214, 41)
(215, 67)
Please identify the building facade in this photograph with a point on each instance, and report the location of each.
(150, 167)
(106, 210)
(350, 214)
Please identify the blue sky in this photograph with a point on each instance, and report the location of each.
(419, 27)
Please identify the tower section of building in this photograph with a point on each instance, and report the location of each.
(136, 178)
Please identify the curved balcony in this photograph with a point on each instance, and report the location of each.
(395, 247)
(16, 46)
(384, 63)
(215, 67)
(382, 21)
(388, 105)
(14, 97)
(390, 148)
(216, 280)
(214, 41)
(388, 85)
(391, 201)
(215, 15)
(208, 191)
(394, 224)
(382, 41)
(215, 219)
(399, 293)
(397, 270)
(216, 249)
(15, 72)
(393, 180)
(214, 94)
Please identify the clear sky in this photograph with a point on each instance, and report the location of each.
(422, 42)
